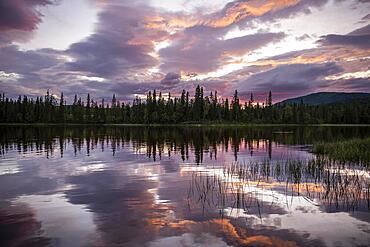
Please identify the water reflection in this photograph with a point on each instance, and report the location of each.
(149, 186)
(285, 195)
(159, 141)
(318, 181)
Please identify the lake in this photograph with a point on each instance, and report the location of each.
(179, 186)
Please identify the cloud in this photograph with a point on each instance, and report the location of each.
(365, 30)
(361, 41)
(136, 47)
(33, 72)
(303, 37)
(20, 14)
(354, 75)
(200, 49)
(25, 62)
(291, 79)
(18, 18)
(358, 38)
(128, 90)
(240, 10)
(351, 85)
(28, 66)
(9, 76)
(121, 44)
(281, 10)
(171, 79)
(366, 17)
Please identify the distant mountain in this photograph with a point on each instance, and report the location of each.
(326, 98)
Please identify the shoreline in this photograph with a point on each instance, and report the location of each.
(226, 125)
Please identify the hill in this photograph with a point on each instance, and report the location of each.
(326, 98)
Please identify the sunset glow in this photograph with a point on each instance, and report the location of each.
(132, 46)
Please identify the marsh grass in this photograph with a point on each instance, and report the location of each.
(352, 151)
(244, 186)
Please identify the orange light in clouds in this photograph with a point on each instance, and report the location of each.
(170, 22)
(316, 56)
(241, 10)
(224, 227)
(235, 13)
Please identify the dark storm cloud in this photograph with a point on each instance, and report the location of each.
(292, 79)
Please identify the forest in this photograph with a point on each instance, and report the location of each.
(156, 109)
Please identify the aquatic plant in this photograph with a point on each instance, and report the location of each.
(350, 151)
(247, 185)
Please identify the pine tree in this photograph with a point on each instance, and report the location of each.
(251, 100)
(88, 108)
(61, 109)
(235, 107)
(269, 100)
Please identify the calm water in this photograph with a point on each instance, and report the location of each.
(141, 186)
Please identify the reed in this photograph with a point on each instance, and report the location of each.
(355, 151)
(240, 185)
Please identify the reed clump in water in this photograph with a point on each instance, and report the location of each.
(352, 151)
(245, 185)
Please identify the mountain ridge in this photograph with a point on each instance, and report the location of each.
(321, 98)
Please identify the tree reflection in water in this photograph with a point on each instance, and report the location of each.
(158, 141)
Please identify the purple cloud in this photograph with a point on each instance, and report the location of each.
(358, 38)
(171, 79)
(18, 18)
(20, 14)
(289, 80)
(121, 43)
(200, 49)
(24, 62)
(122, 55)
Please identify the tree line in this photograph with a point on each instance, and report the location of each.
(157, 109)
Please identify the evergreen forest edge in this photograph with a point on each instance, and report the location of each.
(156, 109)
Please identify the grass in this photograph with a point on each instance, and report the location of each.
(240, 185)
(352, 151)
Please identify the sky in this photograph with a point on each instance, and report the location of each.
(128, 47)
